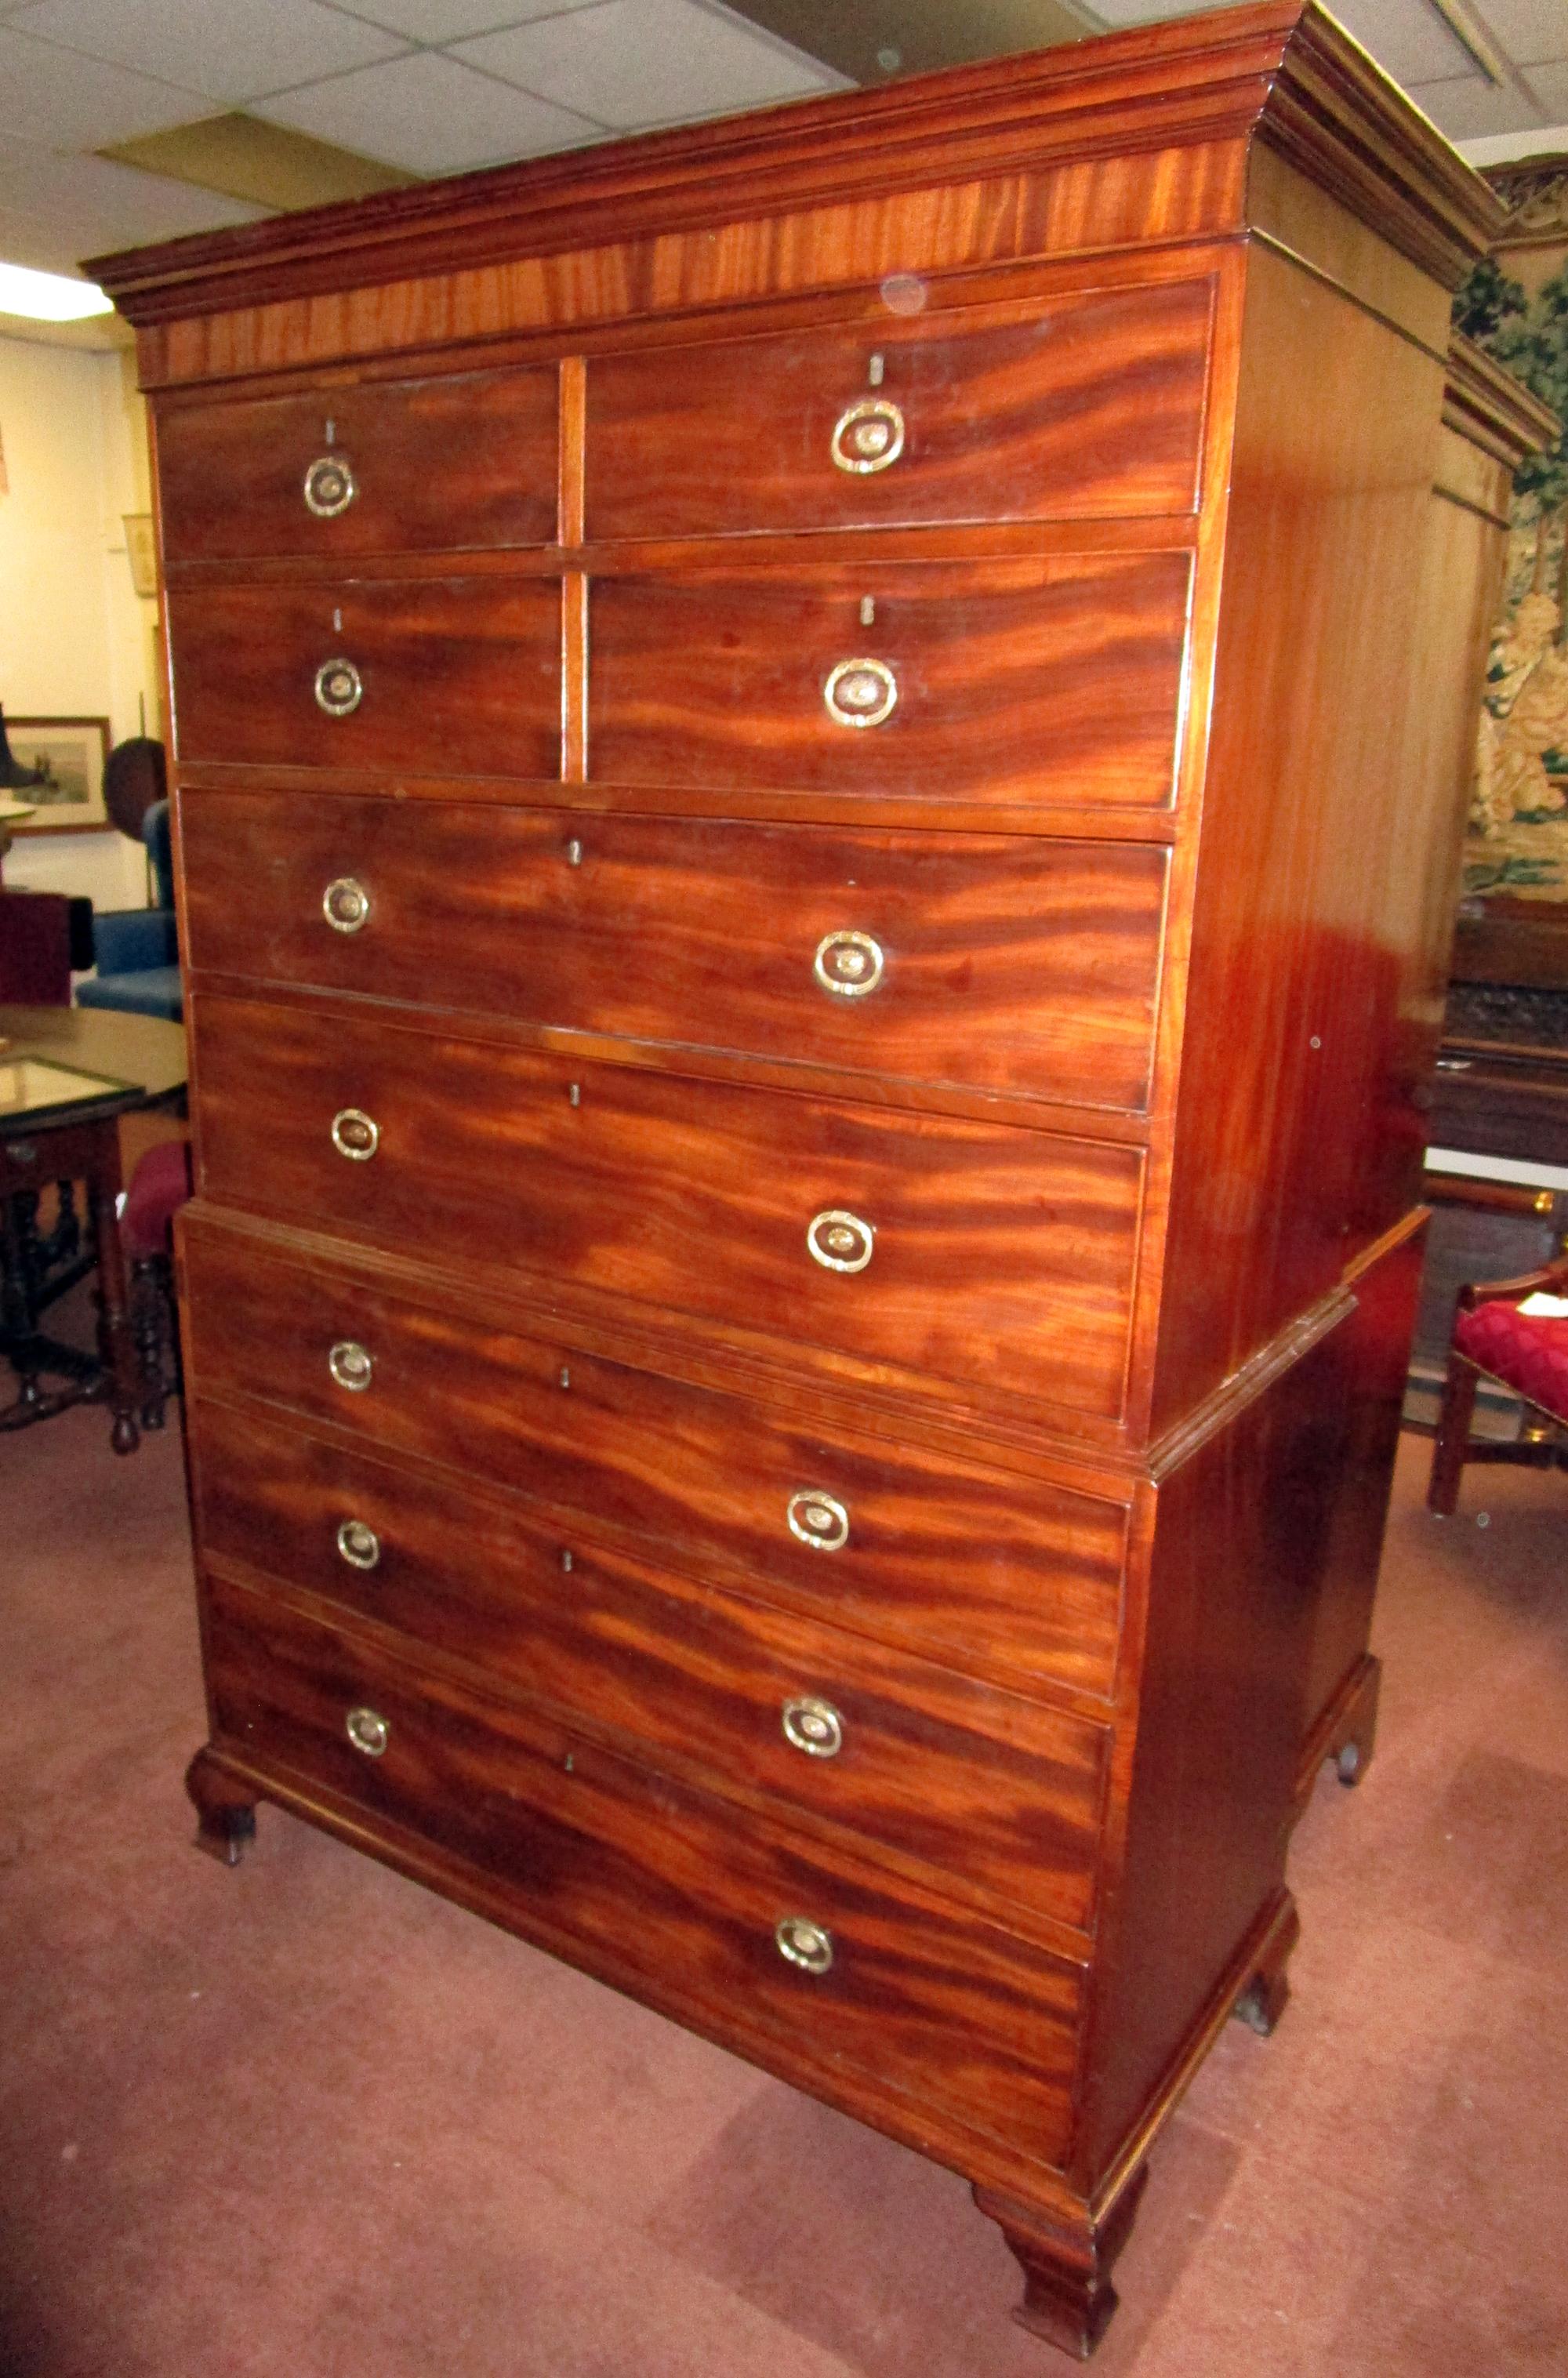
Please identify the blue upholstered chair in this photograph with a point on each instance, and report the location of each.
(135, 949)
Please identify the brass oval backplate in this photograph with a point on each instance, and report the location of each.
(330, 486)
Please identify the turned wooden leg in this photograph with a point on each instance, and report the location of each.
(1262, 1999)
(150, 1325)
(115, 1337)
(225, 1810)
(1068, 2297)
(1452, 1436)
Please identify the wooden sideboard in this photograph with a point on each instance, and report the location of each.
(808, 894)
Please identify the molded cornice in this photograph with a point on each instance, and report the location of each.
(1487, 404)
(1282, 71)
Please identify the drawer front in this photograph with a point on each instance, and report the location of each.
(992, 1788)
(971, 1251)
(1004, 682)
(467, 459)
(948, 1560)
(662, 1881)
(1001, 962)
(440, 677)
(1082, 407)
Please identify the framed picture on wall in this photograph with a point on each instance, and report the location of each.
(69, 756)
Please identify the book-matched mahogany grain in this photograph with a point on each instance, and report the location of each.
(1002, 963)
(978, 1783)
(942, 2003)
(1005, 683)
(957, 1251)
(1080, 410)
(812, 889)
(1003, 1575)
(461, 676)
(355, 470)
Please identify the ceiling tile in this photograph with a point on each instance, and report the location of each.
(1407, 38)
(230, 49)
(47, 245)
(1551, 87)
(435, 21)
(110, 202)
(1528, 30)
(1122, 12)
(1465, 105)
(428, 113)
(70, 101)
(636, 62)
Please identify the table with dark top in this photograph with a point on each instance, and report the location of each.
(133, 1061)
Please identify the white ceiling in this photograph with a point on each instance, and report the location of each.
(439, 85)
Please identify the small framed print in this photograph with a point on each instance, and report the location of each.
(142, 548)
(67, 757)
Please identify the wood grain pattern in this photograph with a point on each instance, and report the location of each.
(466, 458)
(461, 676)
(993, 1574)
(931, 1998)
(1107, 1412)
(1229, 1613)
(1009, 963)
(1298, 1139)
(1017, 681)
(1088, 407)
(999, 1792)
(998, 1253)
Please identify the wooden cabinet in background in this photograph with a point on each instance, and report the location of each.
(809, 948)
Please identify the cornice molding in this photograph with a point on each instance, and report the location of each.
(1486, 403)
(1282, 70)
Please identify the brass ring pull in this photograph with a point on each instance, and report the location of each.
(339, 686)
(840, 1242)
(345, 903)
(819, 1521)
(814, 1727)
(330, 486)
(355, 1135)
(860, 693)
(351, 1366)
(803, 1943)
(848, 964)
(360, 1545)
(868, 436)
(368, 1731)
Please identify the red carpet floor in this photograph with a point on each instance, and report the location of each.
(303, 2121)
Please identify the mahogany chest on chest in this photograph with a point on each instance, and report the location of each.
(797, 804)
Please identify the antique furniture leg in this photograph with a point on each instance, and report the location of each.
(1263, 2000)
(1452, 1436)
(151, 1305)
(1355, 1736)
(116, 1337)
(225, 1810)
(1068, 2297)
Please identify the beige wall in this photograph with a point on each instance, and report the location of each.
(76, 640)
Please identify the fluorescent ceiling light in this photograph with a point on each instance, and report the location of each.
(49, 297)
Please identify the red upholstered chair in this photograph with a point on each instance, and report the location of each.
(159, 1187)
(1526, 1353)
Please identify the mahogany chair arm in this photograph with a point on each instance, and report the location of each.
(1552, 1277)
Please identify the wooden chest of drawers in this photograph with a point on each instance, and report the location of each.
(798, 825)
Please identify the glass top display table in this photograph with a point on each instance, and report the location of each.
(66, 1076)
